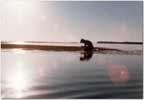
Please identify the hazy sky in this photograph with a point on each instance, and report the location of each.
(70, 21)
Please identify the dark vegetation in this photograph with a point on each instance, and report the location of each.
(113, 42)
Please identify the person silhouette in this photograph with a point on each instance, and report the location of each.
(88, 46)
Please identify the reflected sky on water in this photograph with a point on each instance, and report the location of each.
(49, 74)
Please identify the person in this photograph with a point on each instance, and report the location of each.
(88, 46)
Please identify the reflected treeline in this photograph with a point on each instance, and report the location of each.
(87, 55)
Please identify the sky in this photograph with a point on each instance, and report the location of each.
(69, 21)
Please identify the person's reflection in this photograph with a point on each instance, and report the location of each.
(86, 55)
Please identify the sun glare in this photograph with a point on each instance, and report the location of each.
(20, 5)
(19, 80)
(19, 42)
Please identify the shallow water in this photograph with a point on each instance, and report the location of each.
(49, 74)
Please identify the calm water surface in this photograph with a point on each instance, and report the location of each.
(50, 74)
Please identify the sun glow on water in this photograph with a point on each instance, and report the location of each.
(18, 80)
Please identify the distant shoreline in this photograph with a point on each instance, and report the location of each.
(33, 46)
(8, 45)
(112, 42)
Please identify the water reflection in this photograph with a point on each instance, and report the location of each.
(86, 55)
(39, 74)
(18, 79)
(19, 83)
